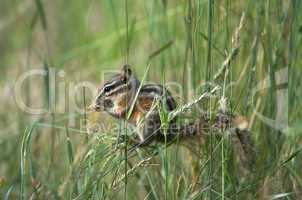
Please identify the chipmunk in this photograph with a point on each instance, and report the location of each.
(117, 94)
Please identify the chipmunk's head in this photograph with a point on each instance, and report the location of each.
(116, 94)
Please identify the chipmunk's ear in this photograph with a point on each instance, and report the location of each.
(127, 71)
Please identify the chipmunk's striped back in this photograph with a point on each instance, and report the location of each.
(153, 91)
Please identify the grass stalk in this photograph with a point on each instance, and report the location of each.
(208, 78)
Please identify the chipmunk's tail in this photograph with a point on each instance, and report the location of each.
(237, 125)
(244, 135)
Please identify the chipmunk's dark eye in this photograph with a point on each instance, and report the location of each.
(125, 80)
(107, 89)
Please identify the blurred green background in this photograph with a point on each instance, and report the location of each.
(51, 156)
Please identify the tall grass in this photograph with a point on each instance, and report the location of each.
(56, 156)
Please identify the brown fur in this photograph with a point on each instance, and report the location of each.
(141, 107)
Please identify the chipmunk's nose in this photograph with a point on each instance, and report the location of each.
(96, 105)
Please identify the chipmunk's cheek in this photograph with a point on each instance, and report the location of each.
(108, 103)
